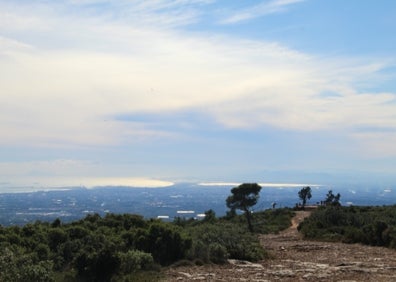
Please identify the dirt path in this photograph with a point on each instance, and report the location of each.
(295, 259)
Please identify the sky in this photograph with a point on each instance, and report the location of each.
(102, 91)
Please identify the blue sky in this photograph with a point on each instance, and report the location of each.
(204, 90)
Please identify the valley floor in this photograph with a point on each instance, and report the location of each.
(295, 259)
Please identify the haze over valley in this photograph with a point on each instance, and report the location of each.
(185, 200)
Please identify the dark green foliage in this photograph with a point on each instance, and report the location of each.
(135, 260)
(16, 265)
(183, 222)
(231, 214)
(56, 223)
(38, 272)
(305, 194)
(98, 266)
(243, 198)
(272, 220)
(42, 251)
(127, 247)
(77, 232)
(368, 225)
(166, 243)
(218, 253)
(210, 216)
(233, 236)
(332, 200)
(56, 236)
(234, 240)
(92, 249)
(268, 221)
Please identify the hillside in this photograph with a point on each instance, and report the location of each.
(127, 247)
(296, 259)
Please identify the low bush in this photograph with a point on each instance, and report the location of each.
(135, 260)
(367, 225)
(228, 240)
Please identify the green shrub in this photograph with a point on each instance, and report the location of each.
(233, 238)
(56, 236)
(135, 260)
(268, 221)
(97, 266)
(42, 251)
(217, 253)
(167, 243)
(40, 272)
(77, 232)
(199, 251)
(368, 225)
(15, 265)
(353, 235)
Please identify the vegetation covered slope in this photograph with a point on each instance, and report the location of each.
(118, 246)
(368, 225)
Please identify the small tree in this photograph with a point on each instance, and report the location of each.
(210, 216)
(332, 200)
(304, 194)
(243, 198)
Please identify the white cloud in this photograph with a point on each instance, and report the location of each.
(21, 20)
(8, 45)
(259, 10)
(164, 13)
(63, 84)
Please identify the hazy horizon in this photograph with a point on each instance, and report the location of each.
(54, 184)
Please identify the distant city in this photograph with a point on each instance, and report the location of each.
(179, 200)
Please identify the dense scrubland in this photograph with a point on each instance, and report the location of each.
(125, 246)
(374, 226)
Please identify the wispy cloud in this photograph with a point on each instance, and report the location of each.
(164, 13)
(262, 9)
(66, 83)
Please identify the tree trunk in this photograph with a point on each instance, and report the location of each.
(249, 220)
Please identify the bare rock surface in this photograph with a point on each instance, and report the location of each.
(295, 259)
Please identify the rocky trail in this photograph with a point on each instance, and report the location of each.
(295, 259)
